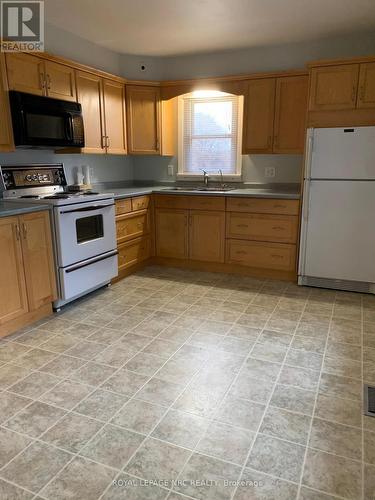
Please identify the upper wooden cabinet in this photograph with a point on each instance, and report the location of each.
(259, 110)
(114, 116)
(143, 119)
(6, 132)
(60, 81)
(334, 87)
(89, 94)
(366, 93)
(25, 73)
(34, 75)
(274, 115)
(290, 114)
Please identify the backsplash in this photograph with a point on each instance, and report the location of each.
(104, 168)
(287, 168)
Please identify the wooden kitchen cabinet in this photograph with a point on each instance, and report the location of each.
(34, 75)
(25, 73)
(38, 259)
(171, 233)
(207, 236)
(6, 132)
(114, 115)
(27, 280)
(333, 87)
(290, 114)
(133, 252)
(60, 81)
(259, 113)
(143, 119)
(89, 94)
(275, 256)
(366, 90)
(132, 225)
(13, 301)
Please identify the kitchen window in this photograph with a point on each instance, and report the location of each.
(210, 130)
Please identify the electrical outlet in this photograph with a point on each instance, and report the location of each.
(170, 170)
(270, 172)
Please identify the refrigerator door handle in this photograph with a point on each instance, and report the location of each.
(305, 202)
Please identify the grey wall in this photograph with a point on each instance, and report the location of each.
(103, 168)
(287, 168)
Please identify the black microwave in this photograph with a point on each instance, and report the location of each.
(43, 122)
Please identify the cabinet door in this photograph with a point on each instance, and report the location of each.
(259, 116)
(207, 236)
(142, 108)
(6, 132)
(133, 252)
(290, 114)
(366, 94)
(89, 94)
(171, 233)
(13, 301)
(114, 113)
(334, 87)
(38, 259)
(60, 81)
(25, 73)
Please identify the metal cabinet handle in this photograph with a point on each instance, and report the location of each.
(276, 256)
(353, 93)
(48, 81)
(241, 252)
(107, 142)
(278, 228)
(17, 230)
(242, 225)
(42, 81)
(24, 231)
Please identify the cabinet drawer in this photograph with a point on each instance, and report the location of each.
(207, 202)
(123, 206)
(263, 206)
(171, 201)
(133, 252)
(132, 226)
(280, 256)
(140, 203)
(276, 228)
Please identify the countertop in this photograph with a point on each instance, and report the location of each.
(279, 192)
(9, 208)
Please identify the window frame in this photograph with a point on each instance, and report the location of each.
(181, 173)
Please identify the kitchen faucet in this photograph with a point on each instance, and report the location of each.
(205, 177)
(222, 184)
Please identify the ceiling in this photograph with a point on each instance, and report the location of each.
(176, 27)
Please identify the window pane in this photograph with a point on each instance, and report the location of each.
(210, 154)
(212, 118)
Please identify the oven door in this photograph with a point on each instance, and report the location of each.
(84, 230)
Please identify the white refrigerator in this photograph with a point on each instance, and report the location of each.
(337, 245)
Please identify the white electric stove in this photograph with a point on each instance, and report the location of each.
(83, 226)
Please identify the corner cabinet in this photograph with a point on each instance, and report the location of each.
(27, 281)
(274, 115)
(143, 119)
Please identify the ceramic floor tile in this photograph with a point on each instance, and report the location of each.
(304, 359)
(158, 461)
(62, 366)
(369, 482)
(197, 402)
(276, 457)
(336, 438)
(11, 404)
(85, 350)
(34, 385)
(332, 474)
(72, 432)
(293, 399)
(180, 429)
(66, 394)
(299, 377)
(160, 392)
(69, 482)
(284, 424)
(139, 416)
(60, 343)
(256, 485)
(241, 413)
(261, 369)
(145, 364)
(35, 466)
(35, 419)
(125, 382)
(334, 385)
(11, 444)
(92, 374)
(35, 359)
(10, 374)
(112, 446)
(369, 447)
(246, 387)
(10, 492)
(101, 405)
(269, 352)
(10, 351)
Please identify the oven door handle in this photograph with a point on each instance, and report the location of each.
(87, 209)
(92, 261)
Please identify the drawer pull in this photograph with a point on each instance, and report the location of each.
(279, 206)
(276, 256)
(278, 228)
(242, 225)
(241, 252)
(140, 225)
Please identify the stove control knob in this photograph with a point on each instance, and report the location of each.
(45, 177)
(29, 178)
(35, 177)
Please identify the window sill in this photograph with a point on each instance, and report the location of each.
(215, 178)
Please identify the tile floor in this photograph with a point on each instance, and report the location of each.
(178, 384)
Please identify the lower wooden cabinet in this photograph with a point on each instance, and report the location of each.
(133, 252)
(27, 280)
(277, 256)
(207, 236)
(171, 233)
(132, 225)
